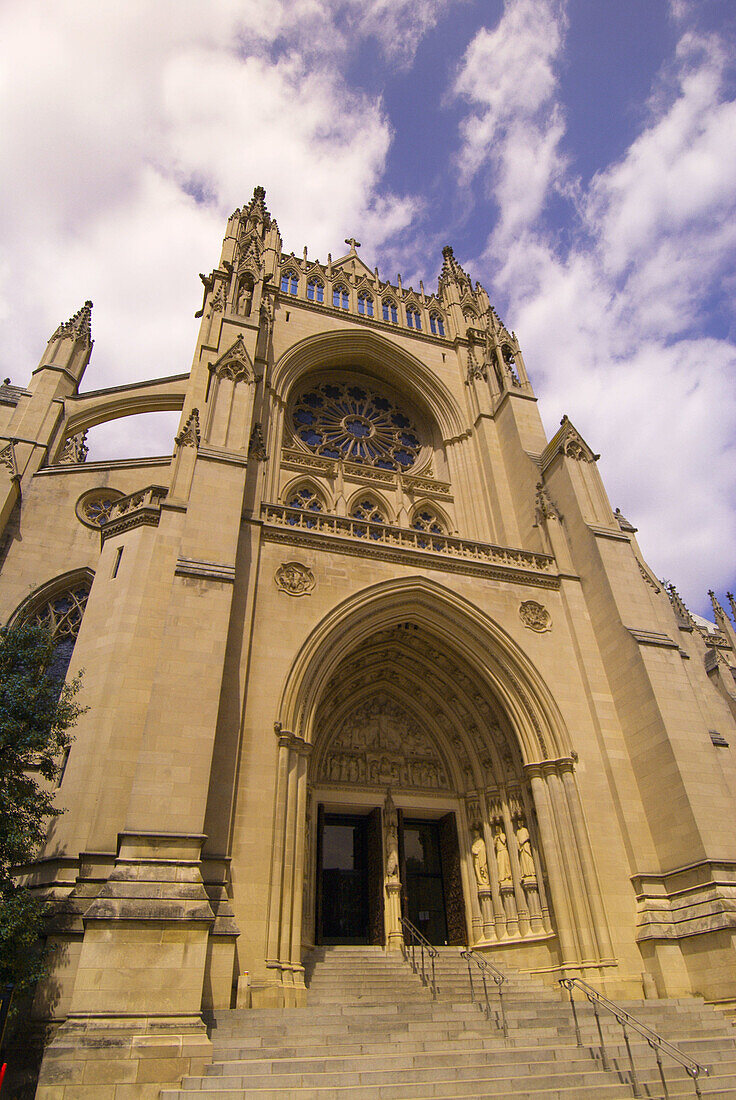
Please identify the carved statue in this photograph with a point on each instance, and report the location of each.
(391, 828)
(502, 856)
(480, 859)
(526, 859)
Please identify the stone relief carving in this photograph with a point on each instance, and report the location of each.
(535, 616)
(380, 745)
(391, 828)
(294, 579)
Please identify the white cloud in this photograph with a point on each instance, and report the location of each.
(129, 132)
(612, 329)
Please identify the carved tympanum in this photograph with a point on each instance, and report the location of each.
(379, 744)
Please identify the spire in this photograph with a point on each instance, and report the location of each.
(78, 327)
(722, 620)
(452, 272)
(730, 598)
(256, 210)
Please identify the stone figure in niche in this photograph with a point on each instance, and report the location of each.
(526, 859)
(480, 859)
(391, 825)
(502, 856)
(245, 297)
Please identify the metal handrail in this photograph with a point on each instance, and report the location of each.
(655, 1041)
(416, 939)
(486, 967)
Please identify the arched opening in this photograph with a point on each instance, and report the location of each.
(408, 708)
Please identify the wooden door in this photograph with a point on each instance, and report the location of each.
(453, 881)
(374, 859)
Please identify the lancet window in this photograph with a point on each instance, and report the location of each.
(340, 298)
(289, 283)
(344, 421)
(436, 324)
(413, 318)
(315, 290)
(365, 304)
(390, 312)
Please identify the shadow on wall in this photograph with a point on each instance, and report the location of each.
(144, 435)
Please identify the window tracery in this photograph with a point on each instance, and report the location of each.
(289, 283)
(307, 499)
(365, 304)
(62, 615)
(436, 324)
(315, 290)
(340, 298)
(427, 520)
(369, 511)
(413, 318)
(390, 312)
(348, 421)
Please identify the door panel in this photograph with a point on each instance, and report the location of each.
(374, 859)
(423, 878)
(344, 908)
(451, 873)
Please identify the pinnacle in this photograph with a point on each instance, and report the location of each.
(79, 325)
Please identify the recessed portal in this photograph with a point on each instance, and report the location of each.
(424, 888)
(343, 884)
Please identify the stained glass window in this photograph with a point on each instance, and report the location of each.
(427, 520)
(308, 500)
(390, 312)
(371, 512)
(340, 297)
(436, 324)
(315, 291)
(63, 617)
(289, 283)
(347, 421)
(413, 319)
(365, 305)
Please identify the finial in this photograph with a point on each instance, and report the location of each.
(259, 193)
(354, 245)
(447, 251)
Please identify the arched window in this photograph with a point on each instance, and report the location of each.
(371, 512)
(289, 283)
(413, 318)
(340, 298)
(306, 499)
(62, 614)
(427, 520)
(470, 316)
(365, 304)
(436, 324)
(390, 312)
(315, 290)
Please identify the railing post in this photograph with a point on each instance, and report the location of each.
(634, 1081)
(604, 1055)
(569, 987)
(660, 1067)
(504, 1025)
(694, 1075)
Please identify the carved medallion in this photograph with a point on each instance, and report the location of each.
(294, 579)
(535, 616)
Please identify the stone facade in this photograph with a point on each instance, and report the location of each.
(364, 586)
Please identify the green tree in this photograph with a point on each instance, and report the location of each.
(37, 712)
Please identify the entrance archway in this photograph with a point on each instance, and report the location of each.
(389, 717)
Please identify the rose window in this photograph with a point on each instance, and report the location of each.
(344, 421)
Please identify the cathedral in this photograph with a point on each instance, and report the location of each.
(366, 648)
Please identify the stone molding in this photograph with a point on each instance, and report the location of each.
(139, 509)
(206, 570)
(687, 901)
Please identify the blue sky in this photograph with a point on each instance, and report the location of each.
(579, 154)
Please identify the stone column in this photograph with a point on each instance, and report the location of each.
(554, 857)
(536, 852)
(519, 895)
(590, 877)
(283, 950)
(579, 901)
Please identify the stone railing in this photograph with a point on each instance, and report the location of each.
(377, 536)
(142, 508)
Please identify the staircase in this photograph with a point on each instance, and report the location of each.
(372, 1031)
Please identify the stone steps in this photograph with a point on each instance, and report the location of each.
(372, 1031)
